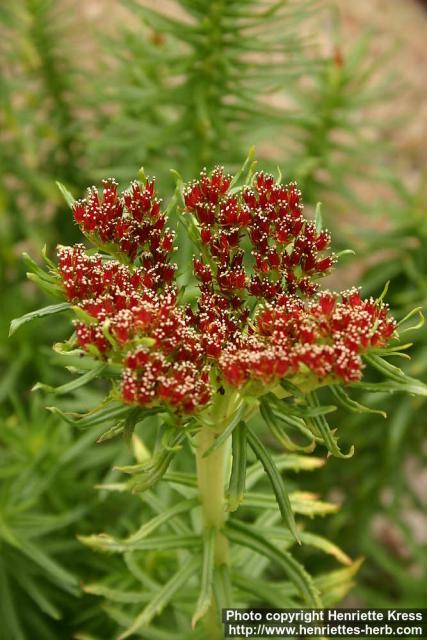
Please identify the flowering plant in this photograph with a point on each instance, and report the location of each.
(253, 336)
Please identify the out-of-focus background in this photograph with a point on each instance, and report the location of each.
(333, 92)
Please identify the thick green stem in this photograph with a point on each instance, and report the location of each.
(211, 479)
(211, 482)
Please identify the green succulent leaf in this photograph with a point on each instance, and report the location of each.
(107, 544)
(223, 437)
(69, 387)
(248, 536)
(69, 199)
(162, 598)
(351, 405)
(276, 480)
(320, 425)
(39, 313)
(206, 590)
(236, 487)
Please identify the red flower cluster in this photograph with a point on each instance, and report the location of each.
(133, 222)
(285, 246)
(325, 336)
(130, 313)
(85, 277)
(162, 355)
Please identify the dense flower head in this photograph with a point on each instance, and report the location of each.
(259, 316)
(132, 222)
(325, 335)
(287, 251)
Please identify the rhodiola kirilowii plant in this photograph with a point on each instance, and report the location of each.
(246, 338)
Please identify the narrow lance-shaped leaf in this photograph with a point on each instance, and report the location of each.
(325, 545)
(395, 375)
(284, 462)
(276, 481)
(246, 536)
(245, 167)
(107, 544)
(170, 447)
(351, 405)
(130, 423)
(336, 584)
(94, 418)
(74, 384)
(206, 590)
(303, 503)
(223, 437)
(162, 598)
(148, 473)
(318, 217)
(236, 487)
(222, 586)
(69, 199)
(149, 527)
(263, 591)
(39, 313)
(417, 311)
(273, 422)
(126, 597)
(325, 431)
(112, 432)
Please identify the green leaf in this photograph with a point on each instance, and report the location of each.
(39, 313)
(149, 472)
(206, 590)
(336, 584)
(318, 217)
(130, 423)
(328, 437)
(273, 421)
(225, 434)
(417, 311)
(244, 168)
(181, 477)
(345, 252)
(69, 199)
(35, 591)
(248, 536)
(350, 404)
(10, 618)
(236, 487)
(276, 480)
(159, 520)
(36, 268)
(48, 286)
(262, 590)
(74, 384)
(284, 462)
(111, 433)
(222, 586)
(311, 539)
(303, 503)
(112, 411)
(107, 544)
(398, 379)
(162, 598)
(58, 575)
(383, 293)
(319, 542)
(284, 408)
(126, 597)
